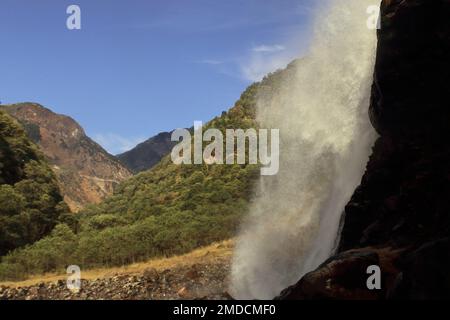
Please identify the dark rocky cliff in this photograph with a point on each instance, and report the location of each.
(399, 217)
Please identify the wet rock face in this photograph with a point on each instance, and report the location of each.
(410, 95)
(404, 198)
(424, 273)
(344, 276)
(399, 217)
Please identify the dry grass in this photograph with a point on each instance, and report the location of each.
(210, 254)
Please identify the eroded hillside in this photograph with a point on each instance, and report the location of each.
(85, 171)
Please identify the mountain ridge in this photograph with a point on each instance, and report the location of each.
(147, 154)
(86, 172)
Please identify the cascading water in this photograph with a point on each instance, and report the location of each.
(321, 111)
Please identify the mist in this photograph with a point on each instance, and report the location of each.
(325, 140)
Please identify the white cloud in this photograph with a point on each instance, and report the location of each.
(115, 143)
(265, 59)
(269, 49)
(255, 69)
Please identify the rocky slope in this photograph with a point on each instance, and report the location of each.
(201, 274)
(85, 171)
(148, 153)
(399, 217)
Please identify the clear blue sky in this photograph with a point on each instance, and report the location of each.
(138, 67)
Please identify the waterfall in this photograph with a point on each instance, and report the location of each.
(321, 109)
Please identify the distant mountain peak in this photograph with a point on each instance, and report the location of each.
(148, 153)
(85, 171)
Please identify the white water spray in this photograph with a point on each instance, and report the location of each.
(321, 111)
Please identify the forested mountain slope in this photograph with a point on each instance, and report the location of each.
(30, 201)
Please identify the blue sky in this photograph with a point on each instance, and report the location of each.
(139, 67)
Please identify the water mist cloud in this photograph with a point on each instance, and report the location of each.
(321, 111)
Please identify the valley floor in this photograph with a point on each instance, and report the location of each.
(201, 274)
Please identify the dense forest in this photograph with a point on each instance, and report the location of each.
(30, 202)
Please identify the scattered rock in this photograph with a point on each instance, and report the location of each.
(198, 281)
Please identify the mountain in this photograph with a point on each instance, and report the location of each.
(85, 171)
(398, 218)
(148, 153)
(30, 201)
(168, 210)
